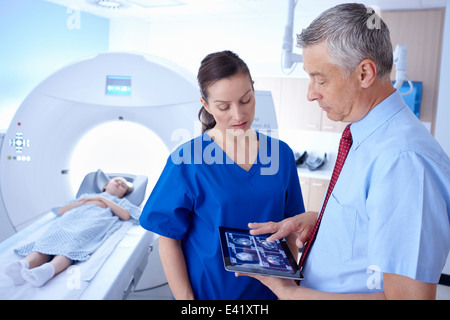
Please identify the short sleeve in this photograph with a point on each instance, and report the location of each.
(132, 209)
(409, 232)
(167, 211)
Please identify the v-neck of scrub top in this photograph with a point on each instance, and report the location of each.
(237, 168)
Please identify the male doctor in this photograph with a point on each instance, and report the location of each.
(385, 231)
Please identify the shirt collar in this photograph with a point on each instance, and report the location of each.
(376, 117)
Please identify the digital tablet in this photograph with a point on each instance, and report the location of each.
(245, 253)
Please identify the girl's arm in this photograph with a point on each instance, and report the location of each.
(100, 201)
(174, 265)
(71, 206)
(116, 209)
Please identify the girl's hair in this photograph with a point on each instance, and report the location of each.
(214, 67)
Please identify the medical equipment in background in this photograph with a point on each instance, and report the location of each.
(37, 148)
(311, 160)
(289, 60)
(400, 67)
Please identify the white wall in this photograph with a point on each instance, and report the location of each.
(257, 41)
(442, 128)
(186, 43)
(127, 34)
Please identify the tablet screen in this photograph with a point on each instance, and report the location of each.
(243, 252)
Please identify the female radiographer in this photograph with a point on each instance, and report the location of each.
(228, 176)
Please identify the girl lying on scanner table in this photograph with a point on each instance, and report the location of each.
(82, 226)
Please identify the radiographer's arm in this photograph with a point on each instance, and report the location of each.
(167, 213)
(172, 258)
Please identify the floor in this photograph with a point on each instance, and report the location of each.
(159, 293)
(164, 293)
(443, 293)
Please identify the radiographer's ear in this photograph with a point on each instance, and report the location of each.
(205, 105)
(367, 73)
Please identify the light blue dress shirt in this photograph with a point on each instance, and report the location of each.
(389, 210)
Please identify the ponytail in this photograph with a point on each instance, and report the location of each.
(206, 119)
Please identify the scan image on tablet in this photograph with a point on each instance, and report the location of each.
(245, 253)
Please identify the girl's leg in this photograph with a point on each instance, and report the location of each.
(60, 263)
(40, 275)
(36, 259)
(15, 269)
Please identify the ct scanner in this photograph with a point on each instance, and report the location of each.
(38, 145)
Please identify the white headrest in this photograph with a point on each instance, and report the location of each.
(94, 182)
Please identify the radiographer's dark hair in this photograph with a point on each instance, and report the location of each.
(214, 67)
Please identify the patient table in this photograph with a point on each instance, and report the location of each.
(110, 273)
(114, 86)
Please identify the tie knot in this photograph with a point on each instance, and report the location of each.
(347, 134)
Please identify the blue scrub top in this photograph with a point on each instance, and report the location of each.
(201, 188)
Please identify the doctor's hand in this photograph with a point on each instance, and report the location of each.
(300, 225)
(279, 286)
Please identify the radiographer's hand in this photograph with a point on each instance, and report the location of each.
(301, 225)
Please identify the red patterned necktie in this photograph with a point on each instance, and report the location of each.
(344, 147)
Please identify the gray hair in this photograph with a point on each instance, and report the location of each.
(353, 33)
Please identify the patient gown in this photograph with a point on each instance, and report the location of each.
(79, 232)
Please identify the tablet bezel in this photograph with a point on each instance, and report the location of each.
(257, 269)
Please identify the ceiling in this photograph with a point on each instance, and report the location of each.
(160, 11)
